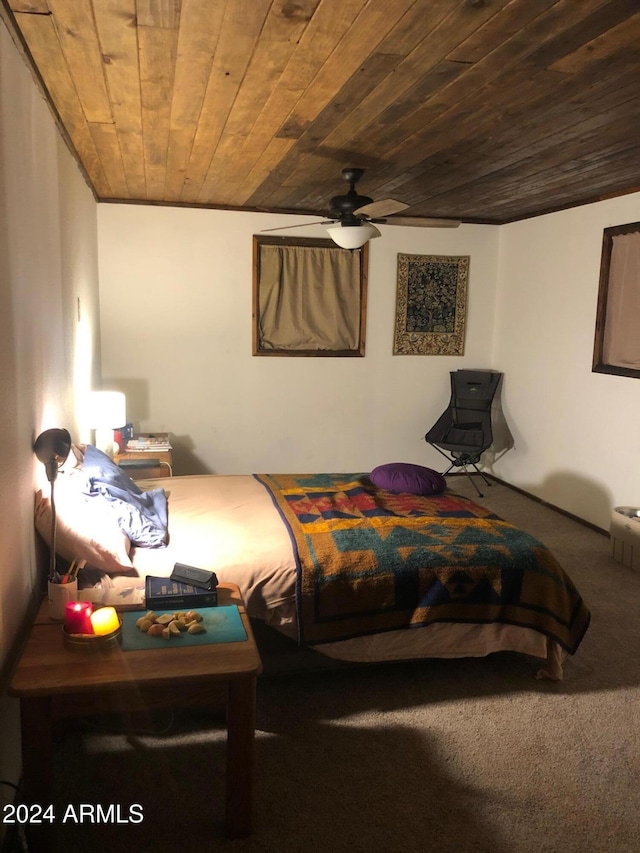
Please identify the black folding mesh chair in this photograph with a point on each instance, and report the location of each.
(463, 431)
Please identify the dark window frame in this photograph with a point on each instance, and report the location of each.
(599, 364)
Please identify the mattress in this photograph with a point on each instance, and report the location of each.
(229, 524)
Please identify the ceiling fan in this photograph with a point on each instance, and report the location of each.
(354, 215)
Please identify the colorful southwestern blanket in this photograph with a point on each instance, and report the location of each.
(371, 560)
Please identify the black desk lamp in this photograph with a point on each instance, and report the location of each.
(52, 448)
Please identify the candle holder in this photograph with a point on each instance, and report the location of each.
(92, 643)
(89, 630)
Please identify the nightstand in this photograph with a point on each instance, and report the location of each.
(145, 464)
(53, 682)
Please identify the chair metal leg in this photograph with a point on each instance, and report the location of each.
(473, 482)
(487, 482)
(456, 463)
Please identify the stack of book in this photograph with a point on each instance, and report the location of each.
(154, 442)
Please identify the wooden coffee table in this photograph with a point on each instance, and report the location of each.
(53, 681)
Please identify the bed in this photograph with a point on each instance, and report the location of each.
(333, 562)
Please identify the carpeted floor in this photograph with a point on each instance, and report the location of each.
(468, 755)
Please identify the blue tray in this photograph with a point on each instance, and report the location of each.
(222, 625)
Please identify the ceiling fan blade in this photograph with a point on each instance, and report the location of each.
(423, 222)
(301, 225)
(381, 208)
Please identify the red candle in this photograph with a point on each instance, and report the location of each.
(77, 617)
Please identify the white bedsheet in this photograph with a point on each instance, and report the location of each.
(228, 524)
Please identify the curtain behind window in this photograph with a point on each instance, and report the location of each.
(309, 298)
(621, 345)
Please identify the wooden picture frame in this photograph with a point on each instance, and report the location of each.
(616, 347)
(318, 307)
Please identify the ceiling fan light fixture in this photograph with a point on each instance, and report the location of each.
(353, 235)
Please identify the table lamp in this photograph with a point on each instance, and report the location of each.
(106, 411)
(52, 448)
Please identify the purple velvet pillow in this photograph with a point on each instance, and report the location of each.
(405, 477)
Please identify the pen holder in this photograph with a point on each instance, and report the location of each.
(58, 595)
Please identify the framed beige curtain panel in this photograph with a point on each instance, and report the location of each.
(309, 298)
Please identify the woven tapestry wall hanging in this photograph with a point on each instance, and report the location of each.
(431, 305)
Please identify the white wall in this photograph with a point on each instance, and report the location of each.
(176, 323)
(48, 261)
(576, 432)
(175, 305)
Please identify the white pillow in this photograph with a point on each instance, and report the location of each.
(85, 530)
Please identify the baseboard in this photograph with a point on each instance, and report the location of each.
(541, 501)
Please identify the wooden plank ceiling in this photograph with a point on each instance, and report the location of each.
(480, 110)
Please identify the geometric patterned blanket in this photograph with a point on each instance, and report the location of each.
(370, 560)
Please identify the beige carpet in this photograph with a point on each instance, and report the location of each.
(470, 755)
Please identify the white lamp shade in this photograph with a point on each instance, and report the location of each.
(353, 236)
(106, 410)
